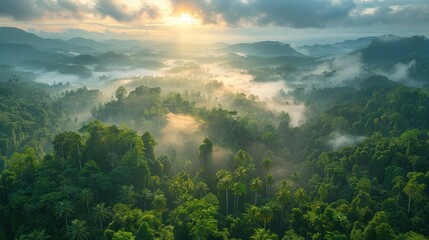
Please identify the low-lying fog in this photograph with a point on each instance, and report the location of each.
(196, 72)
(180, 75)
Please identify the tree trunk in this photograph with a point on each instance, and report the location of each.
(397, 198)
(256, 196)
(409, 204)
(283, 211)
(226, 194)
(87, 210)
(266, 189)
(67, 225)
(78, 155)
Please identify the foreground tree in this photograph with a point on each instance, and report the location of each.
(263, 234)
(100, 213)
(128, 195)
(251, 216)
(265, 215)
(35, 235)
(413, 188)
(78, 230)
(256, 186)
(224, 183)
(199, 217)
(64, 209)
(86, 196)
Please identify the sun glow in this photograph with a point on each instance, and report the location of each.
(186, 19)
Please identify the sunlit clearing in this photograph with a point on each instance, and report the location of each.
(186, 19)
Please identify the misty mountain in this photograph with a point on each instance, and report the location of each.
(129, 44)
(29, 57)
(15, 53)
(263, 49)
(89, 43)
(386, 52)
(390, 49)
(355, 44)
(18, 36)
(339, 48)
(84, 59)
(115, 58)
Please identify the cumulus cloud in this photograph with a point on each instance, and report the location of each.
(60, 9)
(294, 13)
(233, 13)
(302, 13)
(124, 13)
(305, 13)
(38, 9)
(19, 9)
(385, 13)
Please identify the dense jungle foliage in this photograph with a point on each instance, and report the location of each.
(358, 168)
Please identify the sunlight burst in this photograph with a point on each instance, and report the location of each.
(186, 19)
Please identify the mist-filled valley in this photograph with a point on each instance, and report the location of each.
(128, 139)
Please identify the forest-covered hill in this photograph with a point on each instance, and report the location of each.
(271, 144)
(357, 169)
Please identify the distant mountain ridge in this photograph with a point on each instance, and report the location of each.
(393, 49)
(339, 48)
(263, 49)
(387, 51)
(18, 36)
(18, 53)
(78, 41)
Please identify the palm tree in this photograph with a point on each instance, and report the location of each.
(398, 185)
(64, 208)
(238, 189)
(267, 165)
(78, 230)
(265, 215)
(128, 195)
(255, 186)
(35, 235)
(201, 189)
(300, 196)
(262, 234)
(283, 195)
(413, 189)
(86, 196)
(155, 181)
(269, 181)
(224, 183)
(251, 215)
(159, 203)
(100, 213)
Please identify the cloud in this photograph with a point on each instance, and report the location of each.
(125, 13)
(22, 10)
(302, 13)
(19, 9)
(384, 13)
(294, 13)
(121, 11)
(305, 13)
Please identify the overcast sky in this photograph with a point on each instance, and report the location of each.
(219, 20)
